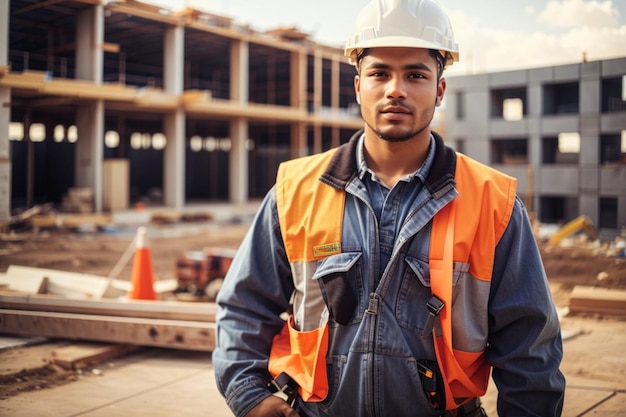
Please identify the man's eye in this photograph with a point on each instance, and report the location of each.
(416, 75)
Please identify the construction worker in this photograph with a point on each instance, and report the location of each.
(407, 273)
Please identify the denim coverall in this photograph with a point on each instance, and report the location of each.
(372, 358)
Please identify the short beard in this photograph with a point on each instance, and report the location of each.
(400, 137)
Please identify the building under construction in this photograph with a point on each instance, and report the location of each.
(133, 103)
(138, 103)
(561, 131)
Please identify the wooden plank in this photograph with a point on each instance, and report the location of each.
(585, 299)
(113, 48)
(73, 284)
(176, 334)
(161, 310)
(32, 284)
(26, 79)
(190, 96)
(119, 287)
(68, 284)
(89, 89)
(82, 355)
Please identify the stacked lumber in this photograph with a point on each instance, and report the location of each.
(595, 300)
(169, 324)
(58, 304)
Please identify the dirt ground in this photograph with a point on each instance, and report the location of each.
(98, 252)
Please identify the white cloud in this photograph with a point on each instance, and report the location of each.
(568, 14)
(487, 50)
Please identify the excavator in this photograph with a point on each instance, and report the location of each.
(581, 222)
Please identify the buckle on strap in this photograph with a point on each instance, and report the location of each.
(283, 386)
(471, 409)
(434, 306)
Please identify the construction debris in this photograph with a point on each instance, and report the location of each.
(78, 200)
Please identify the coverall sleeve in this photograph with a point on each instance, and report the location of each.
(256, 290)
(525, 346)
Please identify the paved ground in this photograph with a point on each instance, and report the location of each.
(156, 383)
(162, 382)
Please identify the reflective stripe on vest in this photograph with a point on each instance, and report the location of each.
(311, 215)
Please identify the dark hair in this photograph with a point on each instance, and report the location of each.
(439, 58)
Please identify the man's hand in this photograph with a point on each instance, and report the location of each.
(272, 406)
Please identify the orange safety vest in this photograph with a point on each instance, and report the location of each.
(311, 215)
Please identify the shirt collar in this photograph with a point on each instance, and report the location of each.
(420, 173)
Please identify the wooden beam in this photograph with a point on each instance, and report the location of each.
(27, 79)
(176, 334)
(113, 48)
(148, 309)
(593, 300)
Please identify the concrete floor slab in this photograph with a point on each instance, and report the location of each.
(157, 382)
(166, 382)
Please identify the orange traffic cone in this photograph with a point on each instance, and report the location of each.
(143, 274)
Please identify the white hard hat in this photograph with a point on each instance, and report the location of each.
(406, 23)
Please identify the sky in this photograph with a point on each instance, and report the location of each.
(493, 35)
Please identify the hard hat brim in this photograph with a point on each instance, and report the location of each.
(398, 42)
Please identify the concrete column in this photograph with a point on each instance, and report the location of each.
(174, 160)
(90, 117)
(299, 100)
(5, 119)
(318, 86)
(298, 80)
(621, 212)
(298, 140)
(239, 71)
(174, 60)
(174, 123)
(238, 167)
(89, 149)
(89, 39)
(5, 157)
(238, 163)
(334, 88)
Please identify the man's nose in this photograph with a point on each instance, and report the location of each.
(396, 88)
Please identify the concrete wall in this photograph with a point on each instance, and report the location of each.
(469, 119)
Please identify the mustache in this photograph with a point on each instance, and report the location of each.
(395, 103)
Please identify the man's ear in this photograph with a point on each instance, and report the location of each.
(441, 89)
(357, 88)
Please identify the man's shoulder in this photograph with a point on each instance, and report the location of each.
(475, 165)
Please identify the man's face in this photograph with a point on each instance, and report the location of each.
(398, 91)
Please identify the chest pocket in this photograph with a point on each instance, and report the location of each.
(415, 291)
(341, 281)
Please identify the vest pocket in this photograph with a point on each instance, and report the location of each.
(339, 279)
(411, 310)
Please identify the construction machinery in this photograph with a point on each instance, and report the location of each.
(200, 273)
(579, 223)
